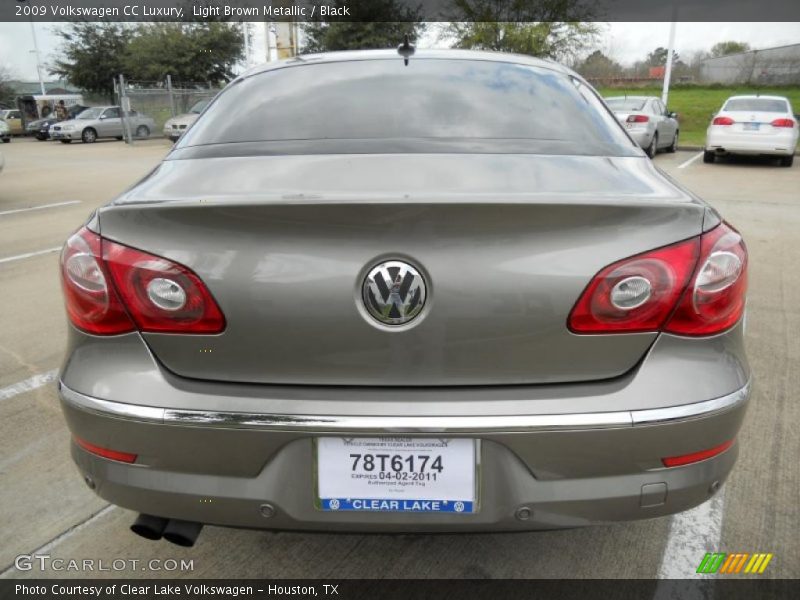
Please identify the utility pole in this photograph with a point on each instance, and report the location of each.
(267, 25)
(171, 95)
(246, 33)
(38, 58)
(670, 52)
(125, 107)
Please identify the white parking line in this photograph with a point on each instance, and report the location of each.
(31, 383)
(690, 161)
(62, 537)
(29, 255)
(43, 206)
(691, 535)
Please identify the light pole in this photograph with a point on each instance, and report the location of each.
(38, 59)
(670, 52)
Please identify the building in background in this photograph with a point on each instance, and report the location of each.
(58, 86)
(771, 66)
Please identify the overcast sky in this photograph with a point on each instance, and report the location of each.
(624, 42)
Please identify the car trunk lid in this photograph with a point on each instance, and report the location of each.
(506, 244)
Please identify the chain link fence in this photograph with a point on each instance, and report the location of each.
(160, 100)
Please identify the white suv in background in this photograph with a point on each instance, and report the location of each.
(753, 125)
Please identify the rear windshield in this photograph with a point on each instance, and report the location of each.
(757, 104)
(626, 103)
(198, 106)
(430, 99)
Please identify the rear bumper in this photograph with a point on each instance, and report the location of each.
(782, 144)
(572, 455)
(563, 470)
(65, 135)
(641, 135)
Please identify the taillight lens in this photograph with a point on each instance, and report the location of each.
(637, 119)
(782, 123)
(716, 299)
(111, 289)
(636, 294)
(695, 287)
(161, 296)
(91, 302)
(723, 121)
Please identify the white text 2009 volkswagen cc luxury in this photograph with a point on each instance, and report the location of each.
(364, 295)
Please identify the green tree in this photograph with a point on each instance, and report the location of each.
(7, 94)
(598, 65)
(557, 29)
(729, 47)
(92, 54)
(658, 57)
(197, 51)
(384, 23)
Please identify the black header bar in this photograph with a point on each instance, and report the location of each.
(364, 10)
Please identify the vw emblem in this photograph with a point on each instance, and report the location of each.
(394, 292)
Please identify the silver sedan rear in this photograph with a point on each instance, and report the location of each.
(647, 121)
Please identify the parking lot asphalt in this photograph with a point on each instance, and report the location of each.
(48, 510)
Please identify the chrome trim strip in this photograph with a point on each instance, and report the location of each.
(688, 411)
(399, 423)
(432, 424)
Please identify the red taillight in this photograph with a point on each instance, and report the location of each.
(687, 459)
(112, 289)
(636, 294)
(91, 302)
(695, 287)
(716, 298)
(638, 119)
(723, 121)
(782, 123)
(160, 295)
(125, 457)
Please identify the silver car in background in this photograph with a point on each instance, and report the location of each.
(647, 121)
(175, 127)
(101, 122)
(379, 303)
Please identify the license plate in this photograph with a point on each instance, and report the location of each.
(751, 126)
(397, 474)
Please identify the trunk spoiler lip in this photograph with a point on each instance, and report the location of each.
(319, 424)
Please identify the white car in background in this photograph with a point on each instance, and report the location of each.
(754, 125)
(5, 132)
(647, 121)
(175, 127)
